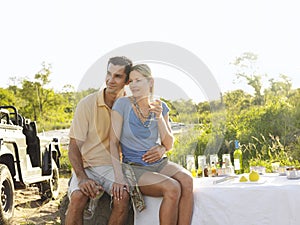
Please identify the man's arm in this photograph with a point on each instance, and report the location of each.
(115, 133)
(75, 158)
(88, 186)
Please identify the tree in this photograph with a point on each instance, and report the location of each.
(39, 100)
(186, 111)
(279, 88)
(246, 69)
(237, 100)
(7, 97)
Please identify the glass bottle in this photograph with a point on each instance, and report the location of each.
(200, 171)
(194, 172)
(206, 170)
(213, 169)
(238, 158)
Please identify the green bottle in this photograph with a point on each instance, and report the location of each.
(237, 158)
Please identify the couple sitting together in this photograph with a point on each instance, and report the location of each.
(112, 132)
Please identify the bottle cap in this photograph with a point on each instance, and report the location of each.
(236, 143)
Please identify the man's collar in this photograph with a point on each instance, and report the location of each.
(100, 98)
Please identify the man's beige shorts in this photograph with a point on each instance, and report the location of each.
(104, 175)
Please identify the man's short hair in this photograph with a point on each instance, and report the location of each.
(121, 61)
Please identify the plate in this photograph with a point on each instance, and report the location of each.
(223, 175)
(293, 178)
(224, 179)
(260, 181)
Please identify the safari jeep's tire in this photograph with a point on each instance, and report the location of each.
(7, 193)
(50, 188)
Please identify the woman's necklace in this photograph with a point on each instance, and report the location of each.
(148, 120)
(139, 110)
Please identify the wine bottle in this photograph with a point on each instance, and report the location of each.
(237, 158)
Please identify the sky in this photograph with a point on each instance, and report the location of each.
(73, 35)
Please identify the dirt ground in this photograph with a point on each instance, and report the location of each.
(29, 209)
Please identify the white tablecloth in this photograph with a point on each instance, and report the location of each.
(273, 200)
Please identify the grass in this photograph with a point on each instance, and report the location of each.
(65, 166)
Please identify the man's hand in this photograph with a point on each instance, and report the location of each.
(154, 154)
(90, 187)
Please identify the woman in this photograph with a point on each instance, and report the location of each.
(138, 124)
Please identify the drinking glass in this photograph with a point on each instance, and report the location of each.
(89, 211)
(226, 160)
(213, 159)
(202, 163)
(190, 162)
(275, 167)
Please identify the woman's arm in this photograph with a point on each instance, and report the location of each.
(115, 133)
(164, 129)
(156, 152)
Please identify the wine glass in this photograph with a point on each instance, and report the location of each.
(154, 100)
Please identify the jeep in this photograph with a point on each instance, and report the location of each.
(26, 159)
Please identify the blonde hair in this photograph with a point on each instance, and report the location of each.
(145, 70)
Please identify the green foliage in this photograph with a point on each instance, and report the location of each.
(246, 69)
(271, 150)
(184, 111)
(65, 166)
(185, 144)
(35, 101)
(7, 97)
(293, 148)
(267, 124)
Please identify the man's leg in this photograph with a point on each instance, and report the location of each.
(76, 207)
(120, 210)
(104, 175)
(78, 201)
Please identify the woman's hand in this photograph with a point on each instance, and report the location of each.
(154, 154)
(118, 189)
(156, 108)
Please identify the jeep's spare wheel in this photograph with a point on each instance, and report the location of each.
(7, 192)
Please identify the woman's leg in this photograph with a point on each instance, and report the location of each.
(157, 185)
(186, 202)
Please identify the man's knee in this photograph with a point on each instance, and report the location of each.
(121, 205)
(78, 200)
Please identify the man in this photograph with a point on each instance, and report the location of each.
(89, 147)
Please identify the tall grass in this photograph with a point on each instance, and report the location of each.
(65, 166)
